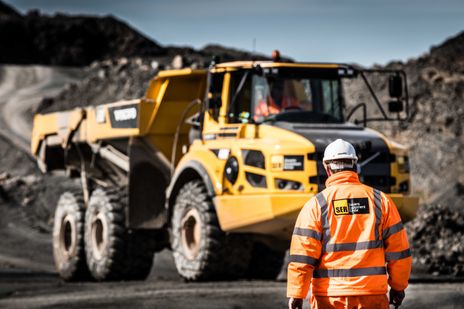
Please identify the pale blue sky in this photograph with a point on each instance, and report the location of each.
(361, 31)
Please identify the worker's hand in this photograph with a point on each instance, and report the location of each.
(396, 297)
(295, 303)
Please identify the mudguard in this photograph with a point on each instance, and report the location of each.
(190, 170)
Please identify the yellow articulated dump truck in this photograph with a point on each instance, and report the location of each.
(214, 164)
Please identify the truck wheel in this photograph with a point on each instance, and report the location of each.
(68, 237)
(265, 263)
(196, 236)
(113, 251)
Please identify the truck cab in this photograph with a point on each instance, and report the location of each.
(255, 157)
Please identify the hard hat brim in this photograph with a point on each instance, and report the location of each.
(340, 158)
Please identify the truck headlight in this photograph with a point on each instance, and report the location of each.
(231, 170)
(284, 184)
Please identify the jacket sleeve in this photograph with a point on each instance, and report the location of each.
(305, 250)
(397, 251)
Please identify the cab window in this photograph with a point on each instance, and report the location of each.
(239, 109)
(294, 96)
(215, 93)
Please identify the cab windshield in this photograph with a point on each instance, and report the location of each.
(287, 96)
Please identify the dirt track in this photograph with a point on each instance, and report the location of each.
(23, 87)
(42, 290)
(28, 280)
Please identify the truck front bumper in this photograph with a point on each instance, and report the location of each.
(275, 214)
(270, 214)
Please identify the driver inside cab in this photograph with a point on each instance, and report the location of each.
(275, 97)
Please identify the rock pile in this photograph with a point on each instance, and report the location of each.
(23, 187)
(437, 240)
(34, 195)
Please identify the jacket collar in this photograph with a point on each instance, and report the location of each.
(342, 177)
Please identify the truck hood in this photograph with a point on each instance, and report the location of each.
(373, 152)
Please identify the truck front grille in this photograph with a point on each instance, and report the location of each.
(376, 173)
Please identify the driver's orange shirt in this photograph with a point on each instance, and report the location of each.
(264, 109)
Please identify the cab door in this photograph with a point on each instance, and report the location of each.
(226, 122)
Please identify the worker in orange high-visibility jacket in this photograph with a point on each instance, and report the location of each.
(348, 243)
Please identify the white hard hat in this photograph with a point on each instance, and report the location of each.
(339, 149)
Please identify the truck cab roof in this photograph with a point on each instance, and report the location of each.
(340, 69)
(337, 69)
(272, 64)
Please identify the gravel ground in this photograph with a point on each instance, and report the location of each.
(43, 290)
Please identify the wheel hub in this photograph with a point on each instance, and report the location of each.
(191, 233)
(68, 236)
(99, 238)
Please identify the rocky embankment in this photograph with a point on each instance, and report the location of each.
(68, 40)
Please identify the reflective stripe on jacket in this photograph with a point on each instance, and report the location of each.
(346, 239)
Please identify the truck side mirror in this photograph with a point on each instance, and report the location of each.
(395, 86)
(395, 106)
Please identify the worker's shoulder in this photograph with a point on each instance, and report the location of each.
(312, 200)
(312, 207)
(384, 197)
(372, 189)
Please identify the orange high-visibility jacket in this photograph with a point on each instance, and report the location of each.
(346, 239)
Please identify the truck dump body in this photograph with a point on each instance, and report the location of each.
(133, 139)
(156, 116)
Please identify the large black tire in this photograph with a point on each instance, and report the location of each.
(113, 251)
(68, 237)
(196, 236)
(201, 250)
(265, 263)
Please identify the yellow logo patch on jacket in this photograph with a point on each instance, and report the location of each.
(351, 206)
